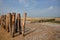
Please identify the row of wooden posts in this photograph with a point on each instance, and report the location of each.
(12, 23)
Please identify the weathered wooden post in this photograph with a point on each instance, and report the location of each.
(3, 19)
(8, 22)
(24, 22)
(0, 20)
(13, 23)
(19, 23)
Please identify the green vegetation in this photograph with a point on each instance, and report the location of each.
(56, 21)
(47, 20)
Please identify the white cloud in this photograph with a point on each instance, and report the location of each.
(51, 7)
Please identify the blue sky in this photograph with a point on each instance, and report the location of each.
(34, 8)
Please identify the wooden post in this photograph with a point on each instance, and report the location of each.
(8, 22)
(3, 21)
(24, 22)
(0, 21)
(19, 23)
(13, 23)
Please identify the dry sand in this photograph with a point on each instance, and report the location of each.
(35, 31)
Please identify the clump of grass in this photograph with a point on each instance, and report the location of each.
(56, 21)
(35, 21)
(42, 20)
(47, 20)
